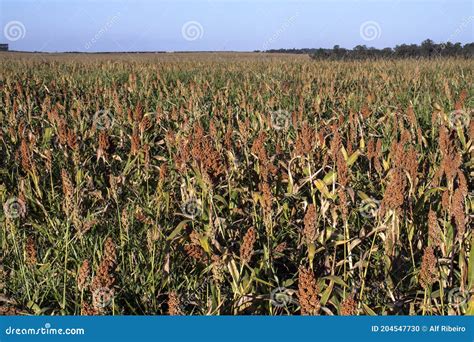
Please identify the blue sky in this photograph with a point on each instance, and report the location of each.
(245, 25)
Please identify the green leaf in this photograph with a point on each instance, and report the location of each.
(178, 229)
(327, 293)
(330, 178)
(33, 306)
(470, 307)
(368, 310)
(337, 280)
(353, 158)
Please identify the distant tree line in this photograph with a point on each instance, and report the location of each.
(427, 49)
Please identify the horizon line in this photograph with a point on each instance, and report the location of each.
(241, 51)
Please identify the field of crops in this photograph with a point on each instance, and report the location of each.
(207, 184)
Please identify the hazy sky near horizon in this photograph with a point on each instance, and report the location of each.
(237, 25)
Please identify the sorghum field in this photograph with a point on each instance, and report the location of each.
(210, 184)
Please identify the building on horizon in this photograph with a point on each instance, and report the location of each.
(3, 47)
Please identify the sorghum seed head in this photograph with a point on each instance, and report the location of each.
(308, 291)
(428, 273)
(246, 248)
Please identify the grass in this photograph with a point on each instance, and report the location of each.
(235, 184)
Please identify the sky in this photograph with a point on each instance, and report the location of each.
(229, 25)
